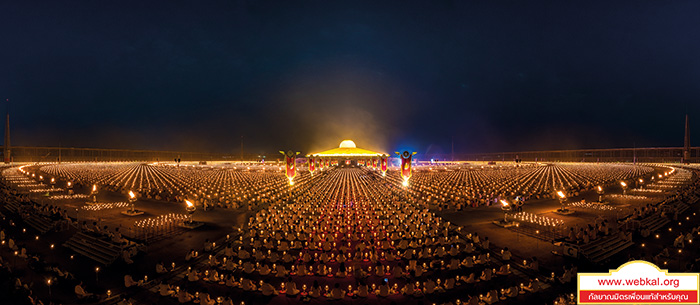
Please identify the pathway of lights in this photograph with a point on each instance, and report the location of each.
(592, 206)
(161, 220)
(28, 185)
(674, 179)
(221, 183)
(672, 182)
(620, 196)
(105, 206)
(662, 186)
(67, 197)
(487, 183)
(544, 221)
(16, 179)
(46, 190)
(647, 190)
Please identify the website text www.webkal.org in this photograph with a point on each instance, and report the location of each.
(638, 281)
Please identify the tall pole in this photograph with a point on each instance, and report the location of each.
(241, 148)
(7, 152)
(686, 146)
(453, 148)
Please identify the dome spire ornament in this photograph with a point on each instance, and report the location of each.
(347, 144)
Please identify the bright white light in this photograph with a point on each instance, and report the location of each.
(347, 144)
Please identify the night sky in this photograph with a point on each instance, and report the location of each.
(304, 75)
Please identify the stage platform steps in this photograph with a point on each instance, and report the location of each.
(682, 208)
(13, 206)
(604, 248)
(97, 249)
(654, 222)
(40, 223)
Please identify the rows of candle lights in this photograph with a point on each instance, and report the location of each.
(663, 186)
(222, 184)
(28, 185)
(528, 217)
(670, 183)
(161, 220)
(104, 206)
(621, 196)
(318, 228)
(46, 190)
(592, 206)
(469, 184)
(349, 210)
(68, 197)
(473, 183)
(18, 180)
(647, 190)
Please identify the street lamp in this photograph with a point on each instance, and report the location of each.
(69, 186)
(48, 283)
(133, 211)
(94, 192)
(505, 207)
(562, 200)
(190, 223)
(191, 208)
(600, 192)
(132, 201)
(624, 187)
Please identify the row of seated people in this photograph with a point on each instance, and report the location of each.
(398, 271)
(175, 184)
(128, 248)
(484, 186)
(588, 233)
(371, 237)
(29, 266)
(336, 292)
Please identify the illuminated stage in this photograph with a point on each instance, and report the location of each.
(347, 150)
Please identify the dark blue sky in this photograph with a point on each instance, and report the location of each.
(495, 75)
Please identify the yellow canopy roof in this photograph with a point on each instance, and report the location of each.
(347, 148)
